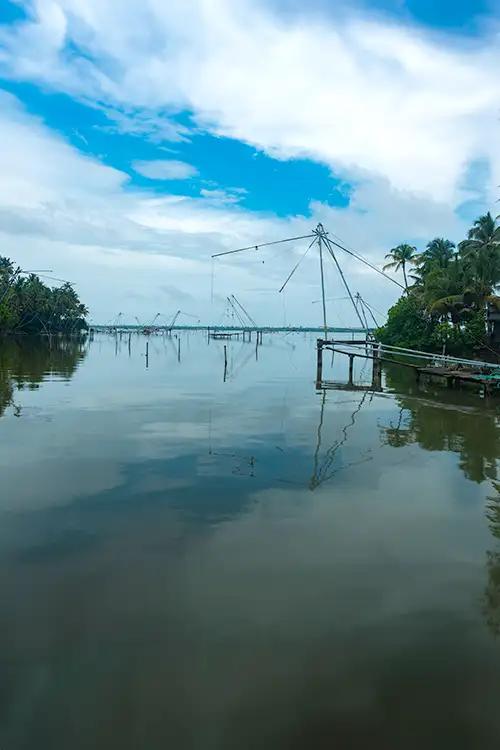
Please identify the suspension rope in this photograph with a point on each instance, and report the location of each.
(328, 245)
(297, 265)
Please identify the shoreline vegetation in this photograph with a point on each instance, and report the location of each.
(27, 305)
(448, 290)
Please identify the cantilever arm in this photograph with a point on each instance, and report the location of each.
(262, 244)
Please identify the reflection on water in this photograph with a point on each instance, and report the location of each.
(27, 360)
(324, 467)
(192, 563)
(492, 593)
(440, 421)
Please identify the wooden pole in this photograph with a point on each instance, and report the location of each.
(323, 300)
(319, 363)
(225, 362)
(377, 367)
(351, 368)
(147, 353)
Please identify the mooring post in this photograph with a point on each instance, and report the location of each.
(351, 368)
(225, 362)
(377, 367)
(179, 349)
(129, 340)
(319, 363)
(147, 353)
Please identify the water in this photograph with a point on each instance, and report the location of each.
(192, 563)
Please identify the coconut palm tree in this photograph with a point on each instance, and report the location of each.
(401, 256)
(480, 252)
(439, 252)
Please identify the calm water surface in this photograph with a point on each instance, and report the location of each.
(192, 563)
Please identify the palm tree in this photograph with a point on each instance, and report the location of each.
(480, 252)
(438, 252)
(400, 257)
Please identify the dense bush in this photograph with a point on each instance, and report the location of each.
(408, 325)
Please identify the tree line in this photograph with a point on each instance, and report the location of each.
(27, 305)
(447, 290)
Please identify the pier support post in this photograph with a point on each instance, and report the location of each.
(351, 368)
(319, 362)
(377, 368)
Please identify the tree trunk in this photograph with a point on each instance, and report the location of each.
(404, 275)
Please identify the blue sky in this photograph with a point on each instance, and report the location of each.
(377, 118)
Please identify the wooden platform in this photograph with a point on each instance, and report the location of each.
(456, 377)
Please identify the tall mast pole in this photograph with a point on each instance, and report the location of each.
(319, 230)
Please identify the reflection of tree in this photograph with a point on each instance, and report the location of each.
(456, 422)
(491, 603)
(6, 389)
(24, 362)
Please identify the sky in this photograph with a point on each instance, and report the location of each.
(139, 137)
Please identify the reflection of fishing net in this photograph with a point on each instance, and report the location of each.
(324, 468)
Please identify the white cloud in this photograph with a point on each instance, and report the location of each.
(399, 114)
(165, 169)
(155, 126)
(359, 95)
(218, 197)
(130, 250)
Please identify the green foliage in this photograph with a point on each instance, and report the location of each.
(400, 257)
(27, 305)
(408, 325)
(450, 291)
(461, 339)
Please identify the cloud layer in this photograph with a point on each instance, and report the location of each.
(402, 116)
(359, 95)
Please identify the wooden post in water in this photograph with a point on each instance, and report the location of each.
(129, 339)
(351, 368)
(225, 362)
(179, 349)
(377, 367)
(319, 363)
(147, 353)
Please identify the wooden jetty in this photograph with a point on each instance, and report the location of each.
(488, 382)
(456, 372)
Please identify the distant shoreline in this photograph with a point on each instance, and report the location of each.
(264, 329)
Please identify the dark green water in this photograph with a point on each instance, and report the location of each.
(192, 563)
